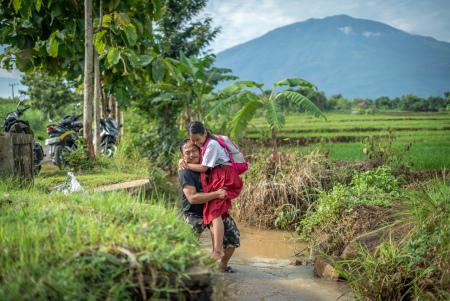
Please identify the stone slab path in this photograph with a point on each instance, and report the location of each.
(131, 187)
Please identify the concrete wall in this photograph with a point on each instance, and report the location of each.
(16, 156)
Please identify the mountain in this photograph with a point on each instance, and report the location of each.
(345, 55)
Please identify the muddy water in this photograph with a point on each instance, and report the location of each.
(264, 271)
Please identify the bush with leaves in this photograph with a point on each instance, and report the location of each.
(380, 151)
(374, 187)
(78, 159)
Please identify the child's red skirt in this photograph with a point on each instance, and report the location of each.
(219, 178)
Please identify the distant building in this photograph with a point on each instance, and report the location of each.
(360, 105)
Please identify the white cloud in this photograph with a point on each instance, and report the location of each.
(371, 34)
(346, 29)
(16, 74)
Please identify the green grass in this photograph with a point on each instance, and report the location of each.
(430, 142)
(90, 247)
(51, 176)
(426, 155)
(416, 267)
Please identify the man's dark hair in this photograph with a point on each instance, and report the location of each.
(183, 142)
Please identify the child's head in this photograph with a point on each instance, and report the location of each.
(198, 133)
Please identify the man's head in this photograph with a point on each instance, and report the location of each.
(190, 152)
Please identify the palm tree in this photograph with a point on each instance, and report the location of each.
(273, 114)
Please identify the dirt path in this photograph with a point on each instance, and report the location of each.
(47, 159)
(264, 270)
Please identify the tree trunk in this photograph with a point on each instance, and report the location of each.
(88, 69)
(117, 118)
(122, 122)
(105, 98)
(97, 91)
(112, 106)
(105, 102)
(187, 116)
(274, 145)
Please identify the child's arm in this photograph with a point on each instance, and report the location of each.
(195, 197)
(197, 167)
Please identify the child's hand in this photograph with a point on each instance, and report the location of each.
(222, 192)
(182, 164)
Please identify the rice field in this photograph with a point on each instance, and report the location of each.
(345, 134)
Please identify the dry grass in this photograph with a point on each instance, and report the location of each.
(288, 186)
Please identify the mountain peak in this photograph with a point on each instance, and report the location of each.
(344, 55)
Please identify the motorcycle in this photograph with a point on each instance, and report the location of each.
(63, 137)
(108, 135)
(13, 124)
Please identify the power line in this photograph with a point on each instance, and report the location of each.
(12, 87)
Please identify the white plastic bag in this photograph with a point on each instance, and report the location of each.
(70, 186)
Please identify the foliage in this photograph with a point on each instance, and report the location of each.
(91, 246)
(78, 159)
(416, 267)
(50, 35)
(383, 152)
(250, 103)
(49, 94)
(379, 276)
(182, 29)
(195, 79)
(374, 187)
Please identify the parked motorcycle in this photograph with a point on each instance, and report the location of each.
(13, 124)
(108, 135)
(63, 137)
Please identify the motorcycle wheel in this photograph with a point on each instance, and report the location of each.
(59, 158)
(111, 150)
(37, 170)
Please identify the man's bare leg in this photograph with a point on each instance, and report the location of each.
(217, 232)
(224, 261)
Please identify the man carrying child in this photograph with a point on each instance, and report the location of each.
(194, 199)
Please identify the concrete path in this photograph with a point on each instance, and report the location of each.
(132, 187)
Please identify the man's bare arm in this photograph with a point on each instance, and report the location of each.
(195, 197)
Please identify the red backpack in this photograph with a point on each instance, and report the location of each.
(237, 158)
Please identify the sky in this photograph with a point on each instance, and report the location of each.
(245, 20)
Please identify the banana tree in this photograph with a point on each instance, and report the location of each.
(250, 102)
(194, 79)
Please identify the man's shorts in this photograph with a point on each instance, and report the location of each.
(230, 237)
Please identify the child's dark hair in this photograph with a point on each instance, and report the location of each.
(182, 143)
(196, 127)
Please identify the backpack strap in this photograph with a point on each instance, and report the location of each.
(204, 146)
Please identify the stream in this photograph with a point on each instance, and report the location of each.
(264, 271)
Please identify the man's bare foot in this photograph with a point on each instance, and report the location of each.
(216, 255)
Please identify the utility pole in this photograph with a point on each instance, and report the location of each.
(12, 86)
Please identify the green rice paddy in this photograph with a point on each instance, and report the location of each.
(429, 134)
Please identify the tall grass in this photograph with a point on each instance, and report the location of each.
(90, 247)
(415, 267)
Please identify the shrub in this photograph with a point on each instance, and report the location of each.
(78, 159)
(380, 151)
(374, 187)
